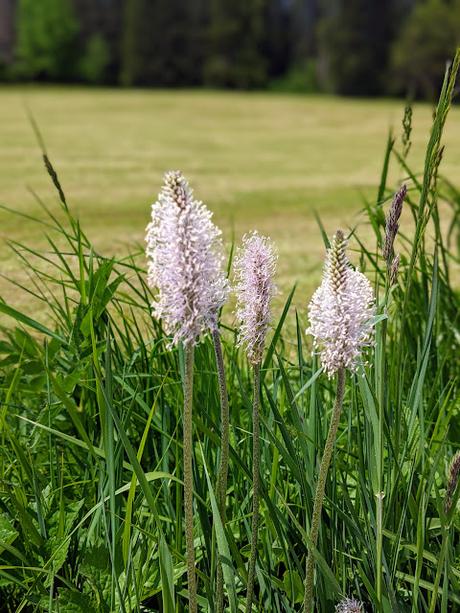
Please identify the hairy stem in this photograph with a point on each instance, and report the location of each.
(320, 489)
(379, 496)
(439, 569)
(188, 477)
(224, 448)
(256, 486)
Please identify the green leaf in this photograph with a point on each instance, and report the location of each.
(167, 577)
(8, 533)
(293, 586)
(28, 321)
(222, 545)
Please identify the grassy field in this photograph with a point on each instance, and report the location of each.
(259, 161)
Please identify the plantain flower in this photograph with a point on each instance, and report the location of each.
(341, 312)
(349, 605)
(185, 262)
(255, 268)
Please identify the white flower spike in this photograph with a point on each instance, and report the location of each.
(255, 265)
(341, 312)
(185, 262)
(349, 605)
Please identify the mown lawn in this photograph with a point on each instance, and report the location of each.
(263, 161)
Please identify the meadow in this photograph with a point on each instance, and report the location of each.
(112, 430)
(258, 160)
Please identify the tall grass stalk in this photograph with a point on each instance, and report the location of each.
(440, 568)
(320, 489)
(381, 376)
(224, 451)
(188, 476)
(255, 486)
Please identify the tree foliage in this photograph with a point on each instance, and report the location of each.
(93, 66)
(162, 43)
(354, 43)
(349, 47)
(427, 41)
(46, 39)
(235, 36)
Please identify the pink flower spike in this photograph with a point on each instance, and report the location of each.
(341, 312)
(185, 262)
(349, 605)
(255, 266)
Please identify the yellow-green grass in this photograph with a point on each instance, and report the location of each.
(260, 161)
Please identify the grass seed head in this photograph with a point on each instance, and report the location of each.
(452, 481)
(392, 223)
(394, 269)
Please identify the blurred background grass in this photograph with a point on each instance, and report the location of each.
(258, 160)
(265, 148)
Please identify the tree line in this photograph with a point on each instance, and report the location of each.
(349, 47)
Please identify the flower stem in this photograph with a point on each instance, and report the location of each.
(439, 569)
(256, 486)
(224, 450)
(320, 489)
(379, 445)
(188, 477)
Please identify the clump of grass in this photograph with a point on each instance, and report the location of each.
(91, 491)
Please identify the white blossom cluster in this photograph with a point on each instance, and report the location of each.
(349, 605)
(255, 265)
(185, 262)
(341, 312)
